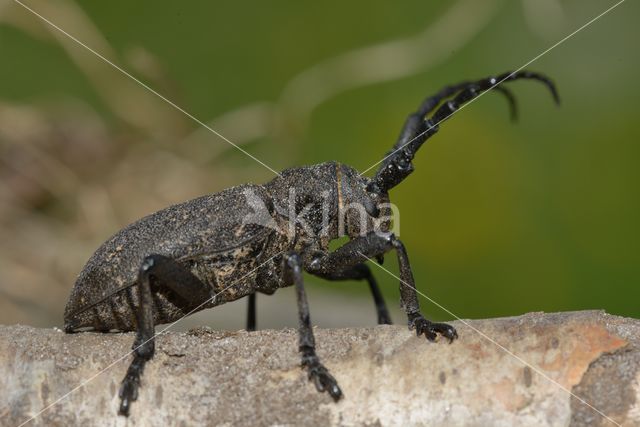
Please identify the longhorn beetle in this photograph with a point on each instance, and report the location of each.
(204, 252)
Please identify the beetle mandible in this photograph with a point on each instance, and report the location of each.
(203, 253)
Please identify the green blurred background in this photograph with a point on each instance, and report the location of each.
(499, 218)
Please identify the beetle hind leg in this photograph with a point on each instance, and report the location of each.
(168, 273)
(317, 372)
(144, 345)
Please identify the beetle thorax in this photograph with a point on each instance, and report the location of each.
(319, 203)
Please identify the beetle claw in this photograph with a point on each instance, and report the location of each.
(128, 393)
(431, 330)
(322, 379)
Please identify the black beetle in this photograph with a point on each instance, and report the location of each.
(258, 238)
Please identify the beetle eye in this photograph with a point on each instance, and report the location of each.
(371, 208)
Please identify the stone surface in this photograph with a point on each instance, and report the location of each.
(389, 377)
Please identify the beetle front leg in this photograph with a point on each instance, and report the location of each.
(373, 245)
(409, 301)
(320, 376)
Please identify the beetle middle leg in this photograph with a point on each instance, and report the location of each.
(162, 271)
(251, 312)
(362, 272)
(372, 245)
(320, 376)
(359, 272)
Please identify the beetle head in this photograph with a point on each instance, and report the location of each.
(361, 207)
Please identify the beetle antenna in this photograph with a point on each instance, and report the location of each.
(397, 165)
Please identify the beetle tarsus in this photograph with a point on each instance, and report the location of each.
(129, 388)
(320, 376)
(430, 329)
(383, 316)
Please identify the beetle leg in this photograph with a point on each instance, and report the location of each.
(369, 246)
(320, 376)
(363, 272)
(144, 344)
(409, 300)
(418, 128)
(165, 272)
(251, 312)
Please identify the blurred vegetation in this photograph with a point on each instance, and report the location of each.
(499, 218)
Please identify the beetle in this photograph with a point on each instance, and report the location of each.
(243, 240)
